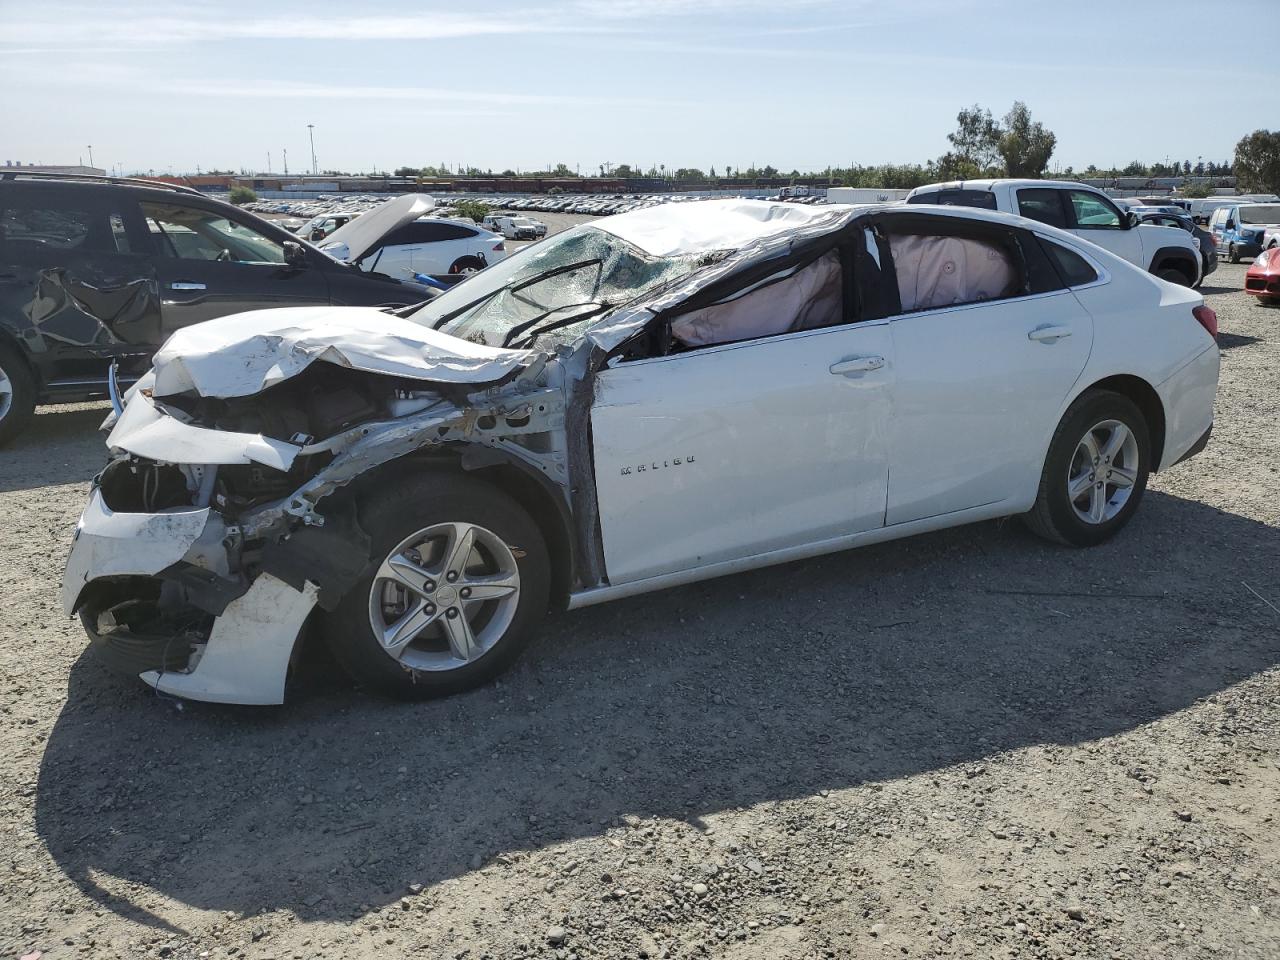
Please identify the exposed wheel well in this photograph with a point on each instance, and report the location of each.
(530, 493)
(1147, 400)
(1182, 264)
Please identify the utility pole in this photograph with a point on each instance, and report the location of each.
(311, 132)
(268, 161)
(286, 162)
(91, 154)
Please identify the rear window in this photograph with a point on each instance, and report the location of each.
(1042, 205)
(1073, 268)
(48, 228)
(983, 199)
(417, 232)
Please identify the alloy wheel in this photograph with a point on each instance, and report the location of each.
(6, 394)
(444, 596)
(1103, 471)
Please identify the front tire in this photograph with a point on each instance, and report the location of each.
(17, 395)
(1095, 473)
(1173, 275)
(457, 580)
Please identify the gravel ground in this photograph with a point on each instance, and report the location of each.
(966, 744)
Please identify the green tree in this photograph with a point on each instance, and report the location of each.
(1196, 190)
(472, 209)
(240, 195)
(408, 171)
(1257, 162)
(975, 145)
(1025, 145)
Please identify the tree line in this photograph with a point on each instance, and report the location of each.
(1014, 145)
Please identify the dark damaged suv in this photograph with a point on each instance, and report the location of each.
(95, 271)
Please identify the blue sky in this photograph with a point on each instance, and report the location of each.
(494, 83)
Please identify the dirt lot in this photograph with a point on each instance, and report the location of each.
(967, 744)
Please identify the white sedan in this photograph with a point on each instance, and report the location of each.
(398, 239)
(672, 394)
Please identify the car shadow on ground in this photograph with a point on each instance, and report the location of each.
(859, 667)
(1229, 341)
(60, 445)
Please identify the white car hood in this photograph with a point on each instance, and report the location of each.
(357, 237)
(243, 354)
(673, 229)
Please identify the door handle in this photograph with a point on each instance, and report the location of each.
(1049, 334)
(184, 285)
(856, 365)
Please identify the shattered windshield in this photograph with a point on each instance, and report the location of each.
(551, 291)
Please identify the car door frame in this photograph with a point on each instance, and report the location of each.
(315, 268)
(652, 344)
(1038, 271)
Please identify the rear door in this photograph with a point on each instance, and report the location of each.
(77, 287)
(979, 385)
(210, 265)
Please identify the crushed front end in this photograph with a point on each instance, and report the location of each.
(213, 533)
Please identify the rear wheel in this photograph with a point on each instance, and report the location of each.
(1095, 473)
(1232, 254)
(458, 578)
(467, 266)
(17, 395)
(1174, 275)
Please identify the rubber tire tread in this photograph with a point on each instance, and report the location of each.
(1051, 517)
(389, 514)
(23, 407)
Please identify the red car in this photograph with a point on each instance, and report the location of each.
(1263, 278)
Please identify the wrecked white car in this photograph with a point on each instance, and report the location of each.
(663, 396)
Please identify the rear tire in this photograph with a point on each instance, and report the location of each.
(416, 526)
(1232, 255)
(1173, 275)
(17, 395)
(467, 266)
(1082, 503)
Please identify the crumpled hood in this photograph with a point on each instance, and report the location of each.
(243, 354)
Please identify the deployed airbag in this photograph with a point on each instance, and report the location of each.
(941, 271)
(809, 298)
(671, 230)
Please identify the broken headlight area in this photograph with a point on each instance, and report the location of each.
(136, 624)
(321, 401)
(137, 485)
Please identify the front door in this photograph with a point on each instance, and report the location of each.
(736, 450)
(1098, 220)
(210, 266)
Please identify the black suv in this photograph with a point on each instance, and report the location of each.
(100, 270)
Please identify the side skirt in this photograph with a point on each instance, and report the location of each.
(990, 511)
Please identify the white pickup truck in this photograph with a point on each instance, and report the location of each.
(1169, 253)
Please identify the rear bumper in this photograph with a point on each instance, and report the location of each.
(1188, 397)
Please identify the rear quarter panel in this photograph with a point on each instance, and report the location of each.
(1144, 327)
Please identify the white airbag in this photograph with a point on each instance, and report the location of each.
(807, 299)
(940, 271)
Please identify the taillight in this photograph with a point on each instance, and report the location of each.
(499, 246)
(1208, 319)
